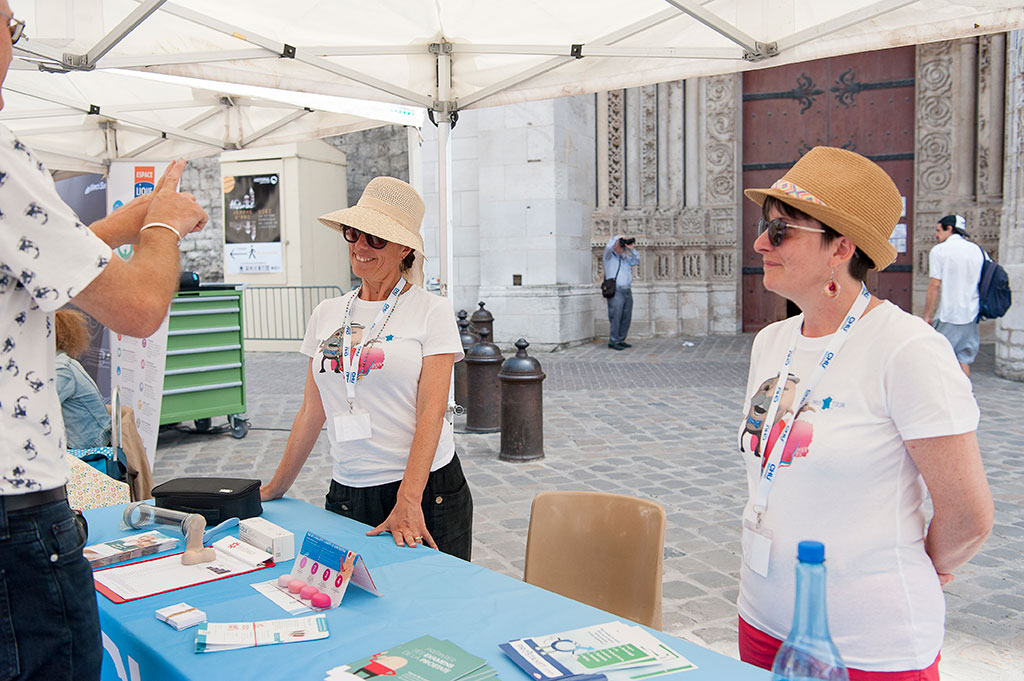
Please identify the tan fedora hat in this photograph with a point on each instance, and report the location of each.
(845, 191)
(389, 208)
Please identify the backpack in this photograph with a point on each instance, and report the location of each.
(993, 289)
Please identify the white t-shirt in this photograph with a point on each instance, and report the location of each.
(956, 262)
(46, 258)
(847, 480)
(422, 324)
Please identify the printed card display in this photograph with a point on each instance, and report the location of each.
(615, 651)
(328, 567)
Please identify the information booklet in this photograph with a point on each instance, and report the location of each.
(126, 548)
(214, 636)
(424, 659)
(615, 651)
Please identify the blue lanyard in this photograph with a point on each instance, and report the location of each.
(350, 363)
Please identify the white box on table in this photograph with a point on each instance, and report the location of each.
(265, 535)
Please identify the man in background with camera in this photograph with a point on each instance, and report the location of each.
(619, 258)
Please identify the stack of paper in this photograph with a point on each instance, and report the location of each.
(425, 658)
(215, 636)
(126, 548)
(615, 651)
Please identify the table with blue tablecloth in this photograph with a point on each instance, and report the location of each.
(423, 592)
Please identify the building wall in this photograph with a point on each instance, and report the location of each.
(379, 151)
(372, 153)
(668, 175)
(1010, 329)
(523, 179)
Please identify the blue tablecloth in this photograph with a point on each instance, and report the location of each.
(424, 592)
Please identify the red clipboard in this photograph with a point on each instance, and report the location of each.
(117, 598)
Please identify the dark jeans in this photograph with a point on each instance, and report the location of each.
(447, 507)
(620, 313)
(49, 624)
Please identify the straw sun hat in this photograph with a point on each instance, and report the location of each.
(390, 209)
(848, 193)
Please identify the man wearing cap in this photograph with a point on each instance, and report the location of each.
(48, 258)
(954, 267)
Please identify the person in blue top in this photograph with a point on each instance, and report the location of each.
(619, 257)
(86, 419)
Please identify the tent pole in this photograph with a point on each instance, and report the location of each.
(446, 111)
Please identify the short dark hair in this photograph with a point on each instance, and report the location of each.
(950, 221)
(860, 263)
(408, 260)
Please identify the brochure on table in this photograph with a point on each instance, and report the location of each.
(215, 636)
(127, 548)
(423, 659)
(159, 575)
(615, 651)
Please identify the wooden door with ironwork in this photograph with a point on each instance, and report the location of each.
(861, 102)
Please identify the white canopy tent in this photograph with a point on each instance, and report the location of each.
(448, 55)
(79, 122)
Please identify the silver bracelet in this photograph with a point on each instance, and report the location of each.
(161, 224)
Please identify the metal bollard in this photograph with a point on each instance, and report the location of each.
(483, 319)
(483, 408)
(522, 407)
(469, 339)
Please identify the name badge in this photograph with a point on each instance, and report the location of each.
(757, 547)
(352, 426)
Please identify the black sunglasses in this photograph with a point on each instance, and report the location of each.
(16, 28)
(777, 230)
(352, 234)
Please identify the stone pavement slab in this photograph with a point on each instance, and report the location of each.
(658, 420)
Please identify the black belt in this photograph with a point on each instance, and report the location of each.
(19, 502)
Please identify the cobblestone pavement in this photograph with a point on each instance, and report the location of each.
(659, 421)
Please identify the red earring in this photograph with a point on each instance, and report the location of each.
(832, 287)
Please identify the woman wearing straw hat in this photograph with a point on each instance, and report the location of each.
(873, 412)
(381, 360)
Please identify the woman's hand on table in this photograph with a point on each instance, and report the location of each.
(267, 493)
(406, 525)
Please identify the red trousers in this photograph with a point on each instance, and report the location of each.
(758, 648)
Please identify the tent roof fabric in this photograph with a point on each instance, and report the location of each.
(387, 50)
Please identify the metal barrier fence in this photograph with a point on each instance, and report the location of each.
(280, 313)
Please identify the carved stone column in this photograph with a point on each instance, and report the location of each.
(1010, 329)
(958, 157)
(721, 176)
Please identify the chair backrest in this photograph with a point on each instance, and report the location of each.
(605, 550)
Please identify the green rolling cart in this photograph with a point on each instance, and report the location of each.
(205, 372)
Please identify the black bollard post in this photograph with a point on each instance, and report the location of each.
(483, 319)
(469, 339)
(483, 362)
(522, 407)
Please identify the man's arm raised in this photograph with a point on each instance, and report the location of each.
(132, 297)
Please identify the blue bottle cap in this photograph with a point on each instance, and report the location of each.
(810, 552)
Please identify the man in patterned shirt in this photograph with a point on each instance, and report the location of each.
(48, 616)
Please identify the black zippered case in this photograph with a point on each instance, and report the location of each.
(217, 499)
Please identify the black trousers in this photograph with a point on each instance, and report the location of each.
(447, 507)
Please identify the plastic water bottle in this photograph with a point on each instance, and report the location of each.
(808, 651)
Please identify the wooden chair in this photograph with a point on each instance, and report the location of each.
(605, 550)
